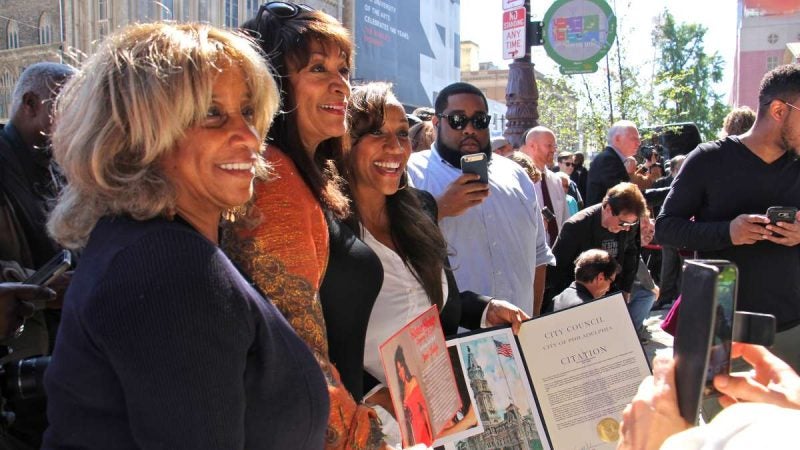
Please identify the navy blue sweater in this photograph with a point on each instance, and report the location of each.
(164, 345)
(719, 181)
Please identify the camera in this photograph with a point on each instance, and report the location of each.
(23, 379)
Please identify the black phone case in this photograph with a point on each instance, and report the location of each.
(695, 332)
(781, 214)
(478, 167)
(51, 269)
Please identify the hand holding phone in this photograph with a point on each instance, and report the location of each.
(547, 214)
(476, 163)
(777, 214)
(705, 331)
(51, 270)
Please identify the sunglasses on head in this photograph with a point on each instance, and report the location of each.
(628, 224)
(283, 10)
(459, 121)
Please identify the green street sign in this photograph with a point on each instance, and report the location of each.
(578, 33)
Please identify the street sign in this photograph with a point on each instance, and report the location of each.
(510, 4)
(578, 33)
(514, 38)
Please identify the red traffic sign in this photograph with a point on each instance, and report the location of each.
(514, 28)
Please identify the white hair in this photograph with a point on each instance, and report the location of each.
(41, 79)
(618, 128)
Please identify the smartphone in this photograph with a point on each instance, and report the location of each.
(51, 269)
(476, 163)
(547, 214)
(781, 214)
(705, 331)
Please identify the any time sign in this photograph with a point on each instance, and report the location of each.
(514, 39)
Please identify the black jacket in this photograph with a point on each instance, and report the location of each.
(606, 171)
(574, 294)
(352, 281)
(584, 231)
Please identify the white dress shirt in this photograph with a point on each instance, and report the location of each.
(401, 299)
(498, 244)
(557, 196)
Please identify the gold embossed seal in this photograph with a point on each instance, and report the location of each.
(608, 430)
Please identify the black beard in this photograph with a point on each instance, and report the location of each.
(794, 153)
(453, 156)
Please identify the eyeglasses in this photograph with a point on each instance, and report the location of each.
(566, 163)
(283, 10)
(790, 105)
(628, 224)
(459, 121)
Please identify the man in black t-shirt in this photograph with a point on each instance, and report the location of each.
(718, 202)
(611, 225)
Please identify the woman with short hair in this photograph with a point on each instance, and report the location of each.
(163, 343)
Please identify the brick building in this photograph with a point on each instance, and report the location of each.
(29, 33)
(34, 30)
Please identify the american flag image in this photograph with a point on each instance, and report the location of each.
(503, 349)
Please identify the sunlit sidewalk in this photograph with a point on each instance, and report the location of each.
(658, 338)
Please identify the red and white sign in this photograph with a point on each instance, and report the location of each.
(514, 39)
(508, 4)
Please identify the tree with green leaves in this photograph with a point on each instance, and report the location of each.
(685, 75)
(558, 110)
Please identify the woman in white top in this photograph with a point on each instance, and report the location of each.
(396, 222)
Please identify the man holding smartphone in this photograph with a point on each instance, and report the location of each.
(718, 202)
(495, 229)
(29, 182)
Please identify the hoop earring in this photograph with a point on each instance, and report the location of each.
(403, 178)
(235, 213)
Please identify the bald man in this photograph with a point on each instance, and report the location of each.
(540, 145)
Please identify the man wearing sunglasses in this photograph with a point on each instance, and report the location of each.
(567, 164)
(718, 201)
(613, 226)
(495, 230)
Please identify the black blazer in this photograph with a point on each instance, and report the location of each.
(606, 171)
(348, 292)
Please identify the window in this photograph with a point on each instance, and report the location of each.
(103, 25)
(252, 8)
(202, 10)
(186, 11)
(772, 62)
(12, 35)
(45, 29)
(772, 38)
(166, 9)
(232, 13)
(6, 87)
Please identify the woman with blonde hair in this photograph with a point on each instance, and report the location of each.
(163, 343)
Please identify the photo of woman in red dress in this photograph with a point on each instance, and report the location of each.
(416, 420)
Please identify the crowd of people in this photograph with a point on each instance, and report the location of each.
(249, 228)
